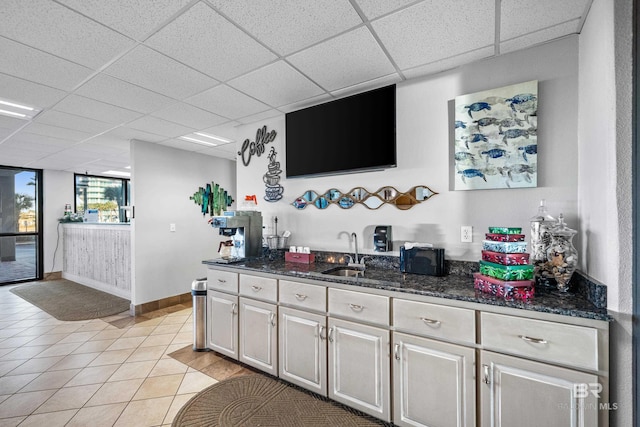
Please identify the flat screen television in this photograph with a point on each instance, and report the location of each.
(352, 134)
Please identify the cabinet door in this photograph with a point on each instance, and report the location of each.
(519, 392)
(359, 367)
(222, 330)
(258, 332)
(433, 383)
(303, 349)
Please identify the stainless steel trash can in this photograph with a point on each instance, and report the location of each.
(199, 294)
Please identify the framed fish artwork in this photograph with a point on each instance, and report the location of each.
(496, 144)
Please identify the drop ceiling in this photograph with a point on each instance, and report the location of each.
(106, 72)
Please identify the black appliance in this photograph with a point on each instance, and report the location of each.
(356, 133)
(428, 261)
(382, 241)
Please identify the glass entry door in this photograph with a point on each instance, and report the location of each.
(20, 225)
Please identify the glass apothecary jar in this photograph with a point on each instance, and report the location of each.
(562, 256)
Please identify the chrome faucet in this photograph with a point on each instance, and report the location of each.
(357, 262)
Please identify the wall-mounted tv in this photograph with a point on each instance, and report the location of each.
(352, 134)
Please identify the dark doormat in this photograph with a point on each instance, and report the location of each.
(66, 300)
(258, 400)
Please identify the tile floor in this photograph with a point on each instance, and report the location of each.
(114, 371)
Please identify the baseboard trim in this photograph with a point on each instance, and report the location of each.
(148, 307)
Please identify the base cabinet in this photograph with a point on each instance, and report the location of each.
(359, 367)
(433, 382)
(303, 349)
(258, 335)
(521, 392)
(222, 318)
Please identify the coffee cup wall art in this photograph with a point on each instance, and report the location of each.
(496, 143)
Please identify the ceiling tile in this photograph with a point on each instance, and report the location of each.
(57, 132)
(35, 146)
(135, 18)
(112, 141)
(113, 91)
(375, 8)
(370, 85)
(306, 103)
(182, 145)
(128, 134)
(541, 36)
(434, 30)
(288, 26)
(204, 40)
(60, 31)
(85, 107)
(31, 64)
(277, 84)
(227, 102)
(158, 126)
(190, 116)
(97, 147)
(449, 63)
(71, 121)
(265, 115)
(343, 61)
(25, 92)
(10, 123)
(519, 17)
(168, 77)
(50, 141)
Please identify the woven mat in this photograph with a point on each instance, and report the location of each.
(66, 300)
(258, 400)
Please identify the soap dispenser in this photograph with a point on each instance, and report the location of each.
(382, 241)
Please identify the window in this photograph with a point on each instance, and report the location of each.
(103, 195)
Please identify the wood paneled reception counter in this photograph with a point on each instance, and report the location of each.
(99, 256)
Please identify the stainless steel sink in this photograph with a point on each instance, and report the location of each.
(344, 271)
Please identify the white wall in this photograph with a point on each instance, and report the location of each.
(57, 190)
(424, 158)
(165, 263)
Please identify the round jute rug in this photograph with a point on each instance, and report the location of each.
(257, 400)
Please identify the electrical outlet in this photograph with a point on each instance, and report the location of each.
(172, 228)
(466, 234)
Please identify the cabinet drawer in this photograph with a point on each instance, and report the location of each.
(259, 287)
(311, 297)
(359, 306)
(224, 281)
(548, 341)
(433, 320)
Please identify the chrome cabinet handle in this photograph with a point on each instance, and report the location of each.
(533, 340)
(300, 297)
(430, 321)
(234, 308)
(485, 376)
(256, 288)
(222, 281)
(356, 307)
(322, 329)
(396, 351)
(272, 319)
(330, 337)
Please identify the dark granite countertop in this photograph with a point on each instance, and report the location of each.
(452, 286)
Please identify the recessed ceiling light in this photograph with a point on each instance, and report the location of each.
(216, 137)
(117, 173)
(198, 141)
(20, 111)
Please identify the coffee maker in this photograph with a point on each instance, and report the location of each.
(244, 228)
(382, 240)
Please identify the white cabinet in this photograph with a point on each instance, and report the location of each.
(222, 317)
(303, 349)
(519, 392)
(258, 335)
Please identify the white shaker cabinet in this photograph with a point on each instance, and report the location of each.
(222, 317)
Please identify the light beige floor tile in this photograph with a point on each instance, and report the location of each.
(46, 339)
(126, 343)
(168, 367)
(11, 422)
(15, 342)
(183, 338)
(69, 398)
(4, 351)
(166, 329)
(176, 405)
(65, 328)
(112, 357)
(12, 383)
(51, 380)
(9, 332)
(36, 330)
(171, 348)
(175, 320)
(94, 346)
(9, 365)
(94, 325)
(130, 370)
(73, 361)
(194, 382)
(98, 416)
(93, 375)
(24, 353)
(159, 387)
(78, 337)
(148, 412)
(147, 353)
(52, 419)
(156, 340)
(115, 392)
(24, 403)
(60, 349)
(108, 334)
(139, 331)
(36, 365)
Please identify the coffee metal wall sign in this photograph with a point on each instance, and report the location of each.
(249, 148)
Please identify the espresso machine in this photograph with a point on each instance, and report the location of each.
(244, 228)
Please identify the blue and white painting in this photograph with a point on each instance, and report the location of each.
(496, 143)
